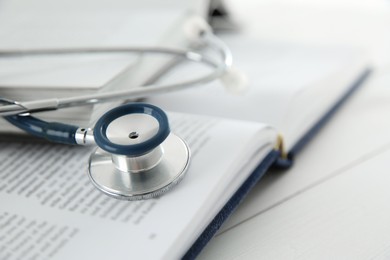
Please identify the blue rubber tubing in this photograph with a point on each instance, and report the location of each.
(102, 124)
(52, 131)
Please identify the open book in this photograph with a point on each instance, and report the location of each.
(50, 210)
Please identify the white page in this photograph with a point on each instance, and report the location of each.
(290, 86)
(45, 186)
(359, 129)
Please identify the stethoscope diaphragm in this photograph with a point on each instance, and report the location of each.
(138, 157)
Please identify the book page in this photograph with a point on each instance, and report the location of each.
(51, 210)
(359, 130)
(343, 217)
(290, 86)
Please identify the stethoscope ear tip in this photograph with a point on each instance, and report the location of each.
(195, 27)
(235, 81)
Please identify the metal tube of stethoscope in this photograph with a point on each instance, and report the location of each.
(145, 91)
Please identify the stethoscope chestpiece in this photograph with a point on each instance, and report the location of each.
(138, 157)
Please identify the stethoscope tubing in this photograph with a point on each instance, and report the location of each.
(145, 91)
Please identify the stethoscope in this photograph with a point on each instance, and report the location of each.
(138, 157)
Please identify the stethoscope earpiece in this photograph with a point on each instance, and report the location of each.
(235, 81)
(195, 28)
(138, 157)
